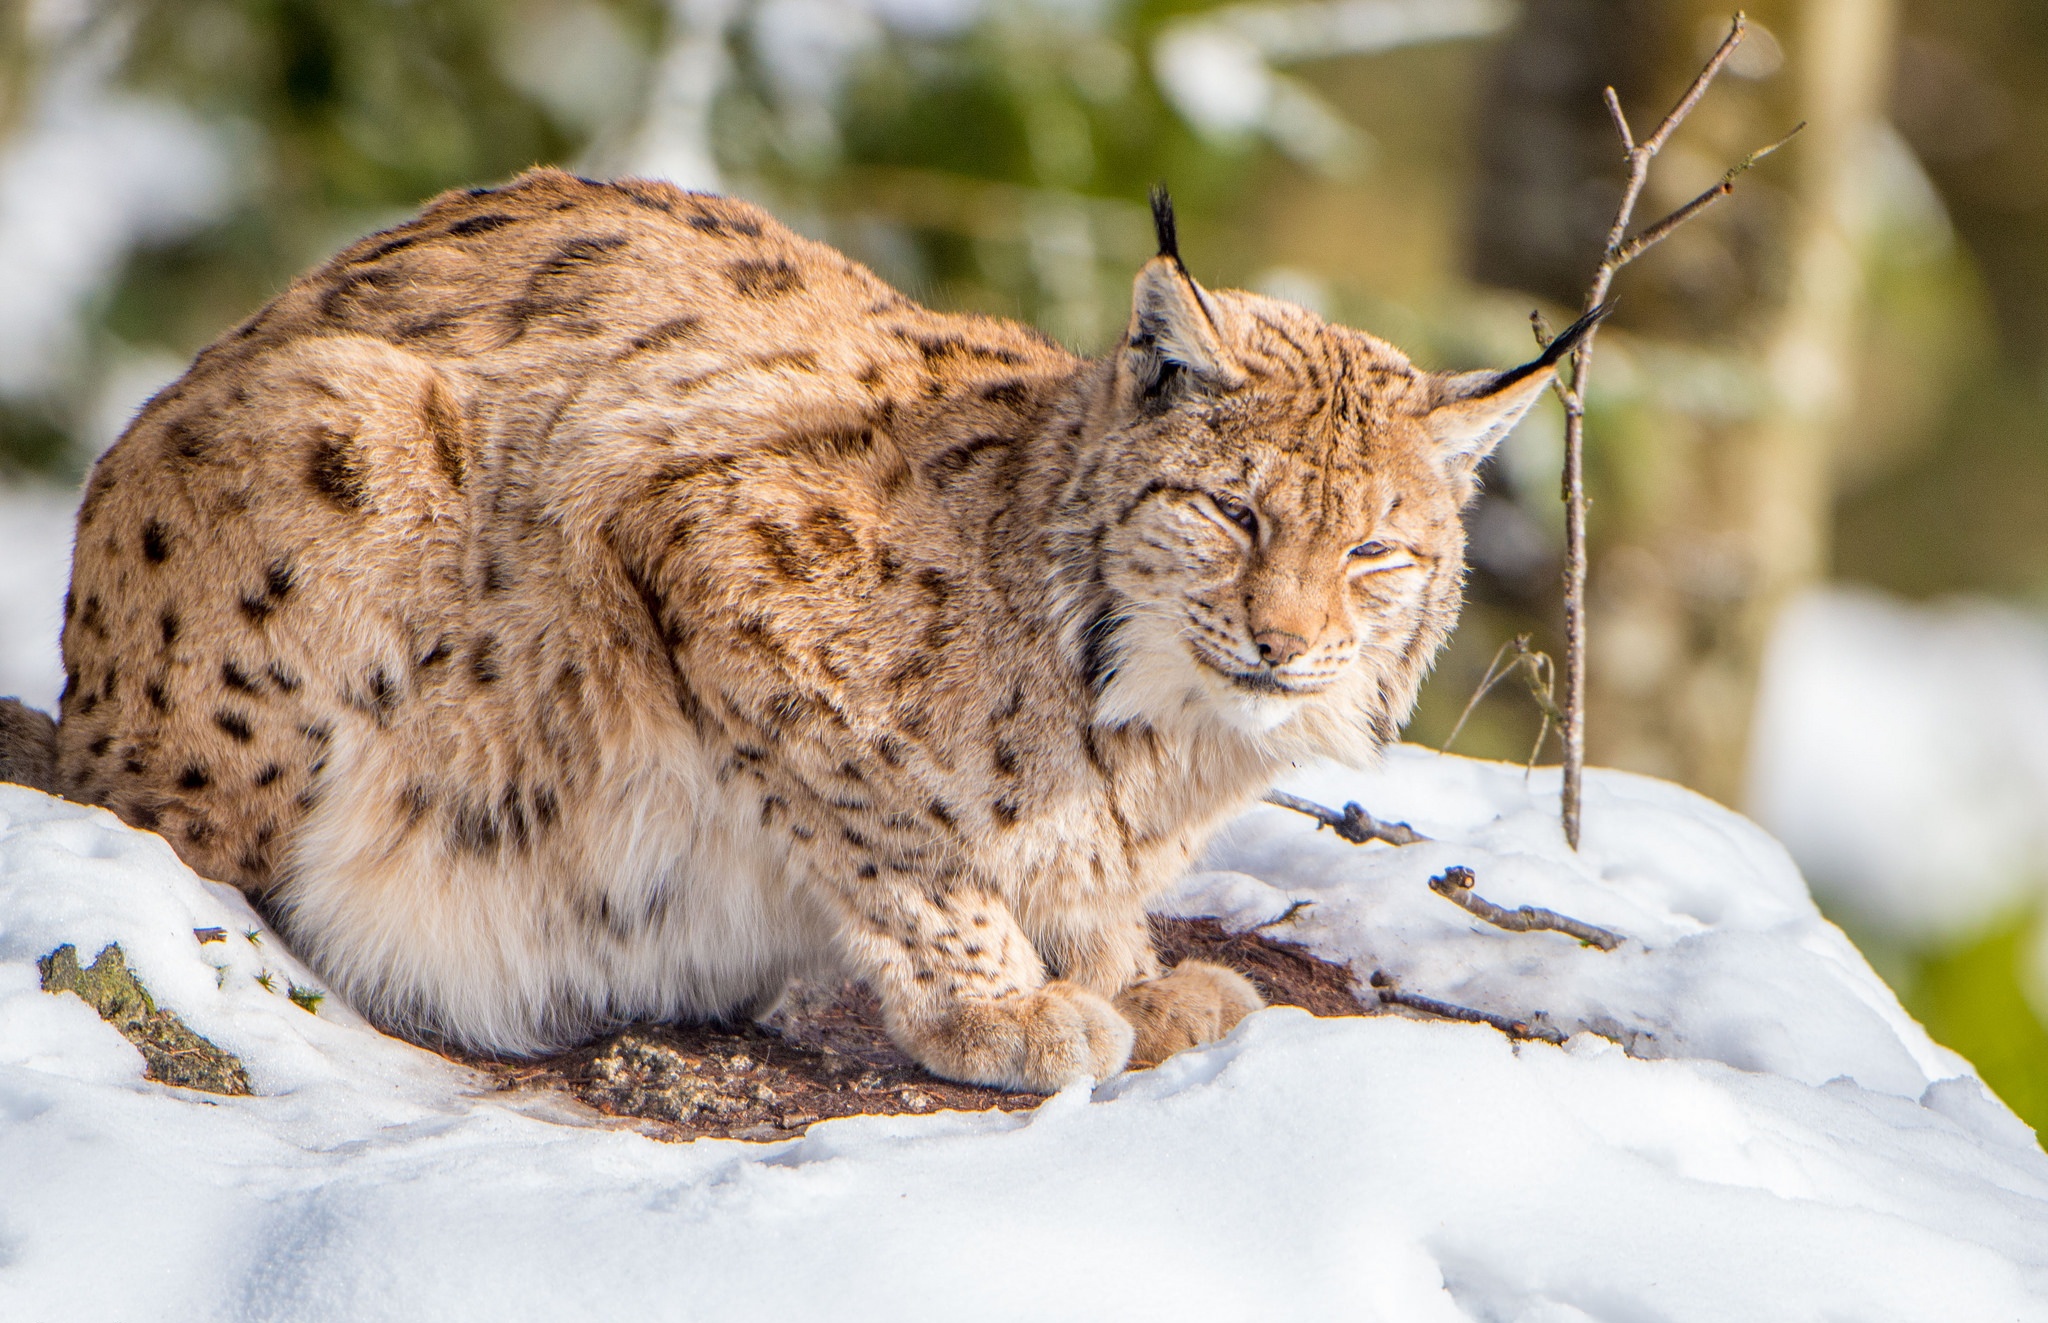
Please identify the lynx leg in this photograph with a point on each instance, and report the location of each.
(964, 993)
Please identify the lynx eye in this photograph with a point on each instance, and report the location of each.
(1237, 512)
(1372, 551)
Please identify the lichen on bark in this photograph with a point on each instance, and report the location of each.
(171, 1052)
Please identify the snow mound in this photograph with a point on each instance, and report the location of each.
(1780, 1141)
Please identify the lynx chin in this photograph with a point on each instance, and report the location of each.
(590, 602)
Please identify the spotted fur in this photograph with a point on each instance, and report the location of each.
(592, 601)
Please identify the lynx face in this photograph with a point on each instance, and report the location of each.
(1286, 531)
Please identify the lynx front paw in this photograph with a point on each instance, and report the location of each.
(1037, 1041)
(1193, 1003)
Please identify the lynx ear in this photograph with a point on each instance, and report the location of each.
(1176, 325)
(1474, 411)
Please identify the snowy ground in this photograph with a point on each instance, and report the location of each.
(1785, 1142)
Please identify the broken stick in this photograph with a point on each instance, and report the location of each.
(1454, 884)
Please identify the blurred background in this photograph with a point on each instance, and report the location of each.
(1818, 439)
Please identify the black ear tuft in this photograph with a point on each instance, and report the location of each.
(1554, 352)
(1162, 224)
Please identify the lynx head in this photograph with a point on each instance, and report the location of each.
(1275, 506)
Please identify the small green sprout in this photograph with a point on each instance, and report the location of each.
(307, 999)
(265, 981)
(255, 937)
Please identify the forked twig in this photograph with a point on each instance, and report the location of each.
(1454, 884)
(1388, 990)
(1537, 672)
(1354, 824)
(1617, 253)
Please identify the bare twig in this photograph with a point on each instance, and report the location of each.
(1389, 992)
(1655, 234)
(1618, 252)
(1354, 824)
(1454, 884)
(1537, 673)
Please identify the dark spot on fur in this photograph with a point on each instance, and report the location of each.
(779, 545)
(235, 724)
(169, 625)
(1005, 759)
(483, 660)
(1010, 394)
(436, 654)
(667, 333)
(257, 607)
(134, 766)
(235, 678)
(547, 809)
(757, 278)
(185, 440)
(960, 458)
(640, 196)
(98, 748)
(317, 732)
(390, 246)
(867, 870)
(1005, 812)
(277, 580)
(482, 224)
(283, 679)
(495, 580)
(158, 697)
(199, 831)
(194, 778)
(335, 472)
(939, 812)
(270, 773)
(156, 544)
(472, 828)
(444, 425)
(560, 289)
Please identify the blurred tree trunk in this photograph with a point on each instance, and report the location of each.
(1710, 460)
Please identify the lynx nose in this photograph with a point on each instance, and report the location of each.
(1277, 647)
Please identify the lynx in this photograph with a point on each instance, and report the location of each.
(590, 602)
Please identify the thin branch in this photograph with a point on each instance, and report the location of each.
(1388, 990)
(1737, 29)
(1354, 824)
(1454, 884)
(1628, 139)
(1616, 253)
(1655, 234)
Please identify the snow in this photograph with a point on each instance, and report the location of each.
(1782, 1143)
(1876, 714)
(35, 564)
